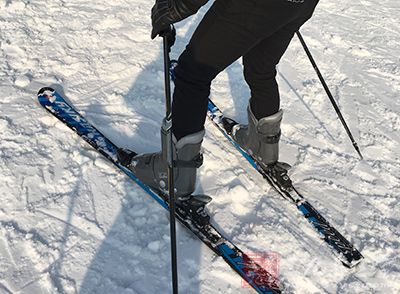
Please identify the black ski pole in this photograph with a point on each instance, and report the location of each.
(168, 42)
(328, 92)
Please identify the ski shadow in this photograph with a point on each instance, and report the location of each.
(134, 256)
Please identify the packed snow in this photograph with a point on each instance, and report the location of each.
(71, 223)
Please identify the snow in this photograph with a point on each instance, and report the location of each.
(71, 223)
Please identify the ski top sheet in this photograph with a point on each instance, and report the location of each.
(257, 277)
(281, 182)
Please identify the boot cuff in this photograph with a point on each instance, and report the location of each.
(194, 138)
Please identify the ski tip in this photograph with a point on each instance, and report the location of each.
(44, 89)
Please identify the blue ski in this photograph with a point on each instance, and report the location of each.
(260, 279)
(280, 181)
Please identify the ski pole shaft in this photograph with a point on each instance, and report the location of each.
(167, 126)
(328, 92)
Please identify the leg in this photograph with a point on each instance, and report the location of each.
(261, 136)
(260, 71)
(228, 31)
(260, 65)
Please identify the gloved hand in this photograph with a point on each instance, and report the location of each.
(167, 12)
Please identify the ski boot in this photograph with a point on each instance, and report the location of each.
(260, 138)
(152, 168)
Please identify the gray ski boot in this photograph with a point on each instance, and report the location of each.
(152, 168)
(260, 138)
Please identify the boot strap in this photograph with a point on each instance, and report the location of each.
(195, 162)
(271, 139)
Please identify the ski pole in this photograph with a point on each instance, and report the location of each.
(328, 92)
(168, 42)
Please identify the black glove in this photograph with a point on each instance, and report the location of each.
(167, 12)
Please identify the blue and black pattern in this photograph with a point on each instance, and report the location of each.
(346, 252)
(261, 280)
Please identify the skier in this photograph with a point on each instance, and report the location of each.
(257, 30)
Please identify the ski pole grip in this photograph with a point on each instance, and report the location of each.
(170, 36)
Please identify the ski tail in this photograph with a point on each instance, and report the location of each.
(345, 251)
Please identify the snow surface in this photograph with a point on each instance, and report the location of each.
(71, 223)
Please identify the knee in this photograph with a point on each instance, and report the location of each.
(191, 70)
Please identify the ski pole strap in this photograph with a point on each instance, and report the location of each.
(195, 162)
(271, 139)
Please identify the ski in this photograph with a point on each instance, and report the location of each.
(278, 178)
(257, 277)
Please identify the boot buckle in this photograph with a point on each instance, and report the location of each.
(196, 162)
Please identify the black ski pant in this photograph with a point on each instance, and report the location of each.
(257, 30)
